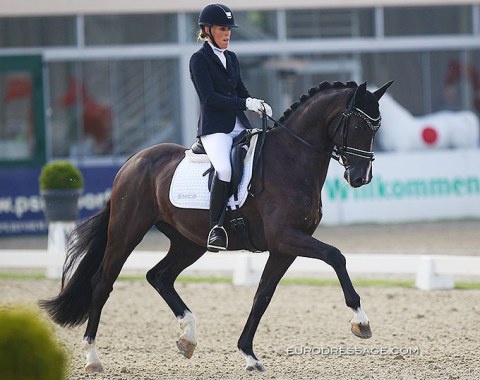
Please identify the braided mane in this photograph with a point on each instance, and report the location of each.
(313, 91)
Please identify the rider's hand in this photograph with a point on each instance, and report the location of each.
(268, 109)
(258, 105)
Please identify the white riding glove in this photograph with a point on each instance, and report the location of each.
(258, 105)
(268, 109)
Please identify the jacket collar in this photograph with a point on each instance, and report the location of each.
(211, 53)
(216, 49)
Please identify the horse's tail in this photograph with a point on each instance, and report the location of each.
(86, 250)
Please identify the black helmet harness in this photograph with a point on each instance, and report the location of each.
(215, 14)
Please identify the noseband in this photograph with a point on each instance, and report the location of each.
(338, 153)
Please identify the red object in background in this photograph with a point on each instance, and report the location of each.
(429, 135)
(18, 88)
(97, 118)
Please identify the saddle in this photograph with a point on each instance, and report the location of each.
(240, 146)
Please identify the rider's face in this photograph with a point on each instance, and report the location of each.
(221, 35)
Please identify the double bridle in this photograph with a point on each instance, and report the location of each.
(338, 153)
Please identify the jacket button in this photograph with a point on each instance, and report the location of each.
(229, 93)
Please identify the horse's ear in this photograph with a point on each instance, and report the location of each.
(359, 93)
(379, 93)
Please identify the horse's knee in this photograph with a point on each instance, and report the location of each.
(158, 280)
(336, 259)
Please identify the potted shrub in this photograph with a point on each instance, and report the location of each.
(61, 184)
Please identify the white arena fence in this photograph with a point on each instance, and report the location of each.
(432, 272)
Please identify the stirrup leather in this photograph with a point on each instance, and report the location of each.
(214, 247)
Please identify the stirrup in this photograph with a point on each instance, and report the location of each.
(213, 247)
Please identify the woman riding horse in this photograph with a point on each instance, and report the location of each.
(215, 73)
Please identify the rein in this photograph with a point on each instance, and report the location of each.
(303, 141)
(338, 153)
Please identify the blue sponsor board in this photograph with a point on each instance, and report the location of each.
(21, 206)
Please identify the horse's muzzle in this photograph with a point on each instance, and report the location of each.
(357, 178)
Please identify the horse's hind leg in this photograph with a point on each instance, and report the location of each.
(182, 254)
(121, 243)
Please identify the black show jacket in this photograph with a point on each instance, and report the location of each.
(221, 91)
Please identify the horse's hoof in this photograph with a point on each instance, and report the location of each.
(186, 348)
(362, 330)
(257, 367)
(94, 367)
(254, 364)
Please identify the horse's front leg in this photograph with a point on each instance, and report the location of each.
(360, 325)
(304, 245)
(275, 268)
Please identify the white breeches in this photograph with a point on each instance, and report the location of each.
(218, 147)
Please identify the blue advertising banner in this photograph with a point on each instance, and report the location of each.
(21, 206)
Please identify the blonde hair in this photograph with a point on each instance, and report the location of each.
(202, 35)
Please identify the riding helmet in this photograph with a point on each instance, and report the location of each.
(217, 14)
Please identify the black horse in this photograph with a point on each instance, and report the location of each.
(334, 119)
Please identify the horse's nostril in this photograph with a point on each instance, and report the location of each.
(357, 182)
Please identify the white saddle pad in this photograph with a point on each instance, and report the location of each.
(189, 187)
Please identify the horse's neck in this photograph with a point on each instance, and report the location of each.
(295, 166)
(315, 121)
(312, 127)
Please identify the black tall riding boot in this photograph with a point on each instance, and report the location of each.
(217, 238)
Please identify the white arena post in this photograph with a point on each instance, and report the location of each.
(244, 273)
(57, 246)
(428, 278)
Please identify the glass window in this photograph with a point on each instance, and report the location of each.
(282, 80)
(113, 108)
(253, 25)
(22, 111)
(455, 78)
(406, 69)
(37, 31)
(330, 23)
(404, 21)
(130, 29)
(17, 136)
(428, 81)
